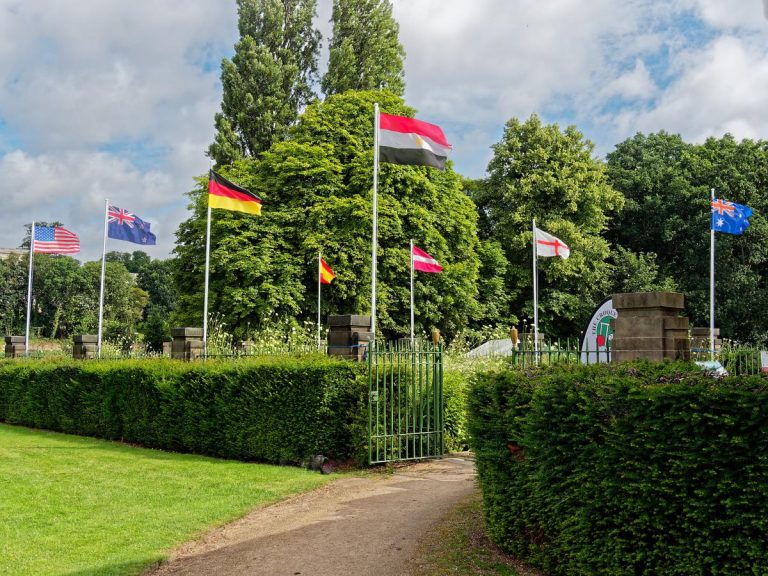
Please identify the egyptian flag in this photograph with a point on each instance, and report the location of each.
(410, 141)
(326, 274)
(227, 196)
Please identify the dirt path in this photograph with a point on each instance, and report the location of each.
(351, 527)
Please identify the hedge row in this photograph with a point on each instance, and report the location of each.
(276, 410)
(624, 469)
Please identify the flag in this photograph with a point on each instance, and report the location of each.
(423, 262)
(55, 240)
(326, 274)
(410, 141)
(548, 245)
(124, 225)
(228, 196)
(730, 217)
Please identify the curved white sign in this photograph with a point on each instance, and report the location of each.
(597, 339)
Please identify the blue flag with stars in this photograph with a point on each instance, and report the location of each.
(124, 225)
(730, 217)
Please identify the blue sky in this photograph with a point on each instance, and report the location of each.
(116, 99)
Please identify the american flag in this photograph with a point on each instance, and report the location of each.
(56, 240)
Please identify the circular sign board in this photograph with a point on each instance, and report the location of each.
(597, 338)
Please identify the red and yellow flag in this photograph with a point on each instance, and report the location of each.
(326, 274)
(228, 196)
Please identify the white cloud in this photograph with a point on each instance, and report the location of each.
(719, 89)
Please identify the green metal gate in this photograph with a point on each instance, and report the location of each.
(406, 411)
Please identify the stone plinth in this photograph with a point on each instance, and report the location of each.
(700, 339)
(348, 335)
(648, 325)
(85, 347)
(14, 346)
(187, 343)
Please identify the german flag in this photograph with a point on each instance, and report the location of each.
(326, 274)
(228, 196)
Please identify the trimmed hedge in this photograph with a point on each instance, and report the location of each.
(279, 410)
(624, 469)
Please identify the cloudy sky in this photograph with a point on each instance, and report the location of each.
(115, 99)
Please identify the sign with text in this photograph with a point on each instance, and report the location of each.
(597, 339)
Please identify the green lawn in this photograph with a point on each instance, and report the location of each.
(79, 506)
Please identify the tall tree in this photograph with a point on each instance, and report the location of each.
(317, 195)
(539, 171)
(365, 51)
(667, 184)
(268, 80)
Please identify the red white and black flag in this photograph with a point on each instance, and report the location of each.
(409, 141)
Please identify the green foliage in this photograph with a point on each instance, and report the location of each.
(268, 80)
(667, 185)
(270, 409)
(317, 192)
(638, 273)
(642, 468)
(13, 293)
(539, 171)
(365, 51)
(74, 505)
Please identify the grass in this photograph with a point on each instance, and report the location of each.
(459, 545)
(82, 507)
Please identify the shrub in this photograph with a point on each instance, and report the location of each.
(269, 409)
(624, 469)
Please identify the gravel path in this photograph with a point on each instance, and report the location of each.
(350, 527)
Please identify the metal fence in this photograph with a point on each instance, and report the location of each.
(406, 407)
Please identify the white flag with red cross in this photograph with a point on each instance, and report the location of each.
(548, 245)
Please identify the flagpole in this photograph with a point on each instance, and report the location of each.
(375, 217)
(29, 288)
(101, 287)
(535, 296)
(711, 283)
(412, 338)
(205, 290)
(319, 274)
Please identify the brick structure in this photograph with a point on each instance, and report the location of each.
(348, 335)
(14, 346)
(85, 347)
(187, 343)
(648, 325)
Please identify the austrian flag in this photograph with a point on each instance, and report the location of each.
(548, 245)
(423, 262)
(409, 141)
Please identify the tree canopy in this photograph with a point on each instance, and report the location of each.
(317, 193)
(268, 80)
(540, 171)
(365, 51)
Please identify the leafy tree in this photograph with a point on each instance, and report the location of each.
(13, 293)
(317, 192)
(638, 273)
(365, 51)
(268, 80)
(667, 184)
(61, 305)
(134, 262)
(539, 171)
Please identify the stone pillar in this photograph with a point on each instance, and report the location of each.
(187, 343)
(700, 339)
(648, 325)
(14, 346)
(348, 335)
(86, 346)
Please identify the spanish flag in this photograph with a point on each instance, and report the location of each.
(228, 196)
(326, 274)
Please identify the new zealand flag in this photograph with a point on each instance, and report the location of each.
(124, 225)
(730, 217)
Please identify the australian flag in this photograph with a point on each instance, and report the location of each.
(124, 225)
(730, 217)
